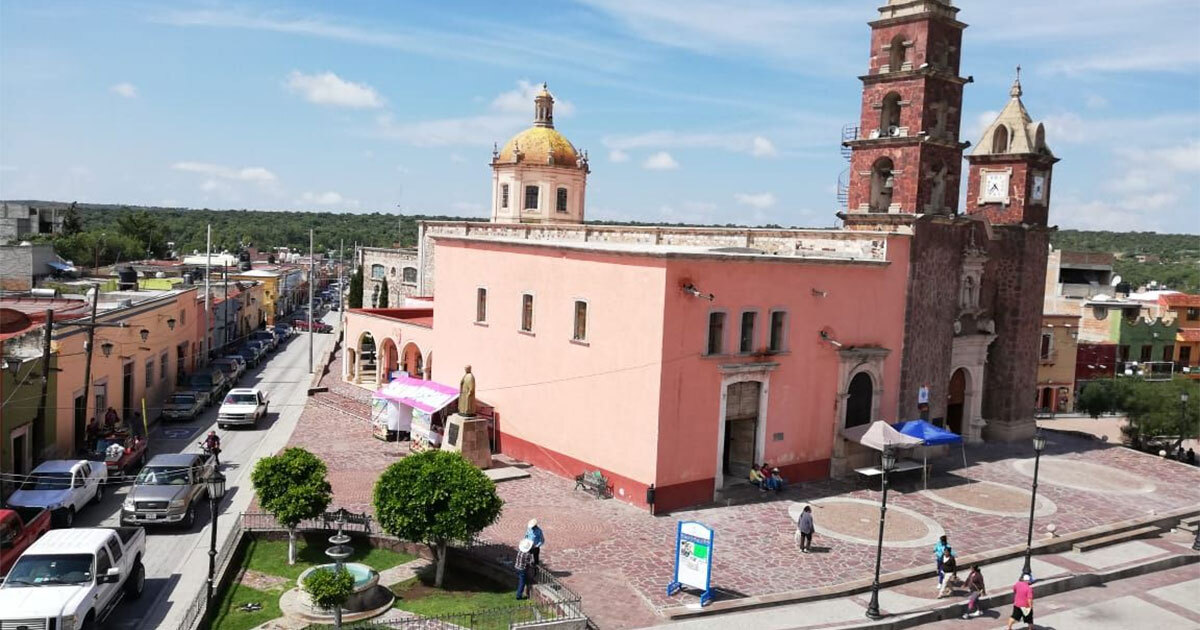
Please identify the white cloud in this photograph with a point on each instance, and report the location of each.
(752, 144)
(661, 161)
(1095, 101)
(327, 198)
(755, 200)
(1165, 57)
(617, 155)
(327, 88)
(506, 114)
(1180, 158)
(457, 159)
(688, 212)
(520, 101)
(248, 174)
(125, 89)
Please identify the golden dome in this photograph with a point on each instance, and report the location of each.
(540, 145)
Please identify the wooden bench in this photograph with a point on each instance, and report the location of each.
(595, 482)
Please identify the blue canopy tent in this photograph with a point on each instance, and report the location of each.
(930, 435)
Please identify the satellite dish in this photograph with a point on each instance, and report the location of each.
(1116, 279)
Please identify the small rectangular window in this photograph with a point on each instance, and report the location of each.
(747, 338)
(503, 195)
(1122, 354)
(182, 317)
(481, 305)
(149, 373)
(1147, 353)
(1168, 353)
(527, 313)
(561, 202)
(1047, 345)
(1193, 314)
(580, 320)
(778, 324)
(531, 197)
(162, 370)
(716, 333)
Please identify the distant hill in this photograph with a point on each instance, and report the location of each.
(1172, 260)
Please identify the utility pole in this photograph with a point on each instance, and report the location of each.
(90, 346)
(311, 279)
(225, 317)
(40, 429)
(207, 270)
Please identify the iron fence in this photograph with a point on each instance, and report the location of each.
(196, 612)
(353, 522)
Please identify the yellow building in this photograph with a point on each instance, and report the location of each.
(1056, 363)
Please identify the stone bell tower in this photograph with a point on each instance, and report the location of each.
(905, 154)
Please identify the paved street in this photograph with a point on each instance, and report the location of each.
(177, 561)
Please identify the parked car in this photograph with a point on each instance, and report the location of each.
(318, 326)
(209, 380)
(167, 489)
(281, 332)
(266, 337)
(184, 405)
(249, 355)
(232, 369)
(19, 527)
(284, 329)
(73, 578)
(62, 486)
(242, 406)
(261, 346)
(121, 452)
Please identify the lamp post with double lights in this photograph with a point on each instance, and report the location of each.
(888, 462)
(216, 491)
(1039, 445)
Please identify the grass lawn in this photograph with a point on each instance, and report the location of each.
(270, 556)
(460, 593)
(230, 618)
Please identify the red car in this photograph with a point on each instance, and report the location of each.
(318, 326)
(19, 527)
(122, 452)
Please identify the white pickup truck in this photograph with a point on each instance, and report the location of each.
(72, 579)
(242, 406)
(63, 487)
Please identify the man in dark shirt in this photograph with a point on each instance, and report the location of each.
(524, 567)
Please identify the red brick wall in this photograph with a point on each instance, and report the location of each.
(911, 187)
(1019, 209)
(927, 36)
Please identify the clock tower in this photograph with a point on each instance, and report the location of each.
(1009, 178)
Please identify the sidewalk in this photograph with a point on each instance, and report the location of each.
(899, 603)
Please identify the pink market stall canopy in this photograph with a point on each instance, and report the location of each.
(419, 402)
(423, 395)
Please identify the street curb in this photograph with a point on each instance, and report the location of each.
(1042, 588)
(1060, 544)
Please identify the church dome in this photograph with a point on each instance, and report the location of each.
(540, 145)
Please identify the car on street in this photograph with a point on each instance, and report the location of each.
(167, 489)
(242, 406)
(121, 452)
(209, 380)
(62, 486)
(73, 579)
(284, 329)
(265, 336)
(184, 405)
(19, 527)
(249, 355)
(231, 368)
(318, 326)
(261, 346)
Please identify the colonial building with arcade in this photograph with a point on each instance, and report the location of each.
(676, 357)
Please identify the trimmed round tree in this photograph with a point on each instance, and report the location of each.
(433, 498)
(329, 589)
(292, 487)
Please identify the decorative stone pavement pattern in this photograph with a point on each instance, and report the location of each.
(590, 541)
(986, 497)
(857, 520)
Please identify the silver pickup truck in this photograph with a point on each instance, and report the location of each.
(167, 489)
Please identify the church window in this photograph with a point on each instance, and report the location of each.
(378, 271)
(889, 117)
(527, 312)
(503, 195)
(778, 328)
(716, 333)
(882, 182)
(899, 54)
(1039, 138)
(581, 309)
(410, 275)
(1000, 140)
(561, 202)
(937, 189)
(480, 305)
(746, 345)
(531, 197)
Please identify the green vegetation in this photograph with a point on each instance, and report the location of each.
(1171, 259)
(270, 556)
(356, 289)
(329, 588)
(229, 615)
(433, 498)
(458, 594)
(383, 294)
(1154, 408)
(292, 486)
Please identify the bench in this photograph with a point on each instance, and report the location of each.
(594, 482)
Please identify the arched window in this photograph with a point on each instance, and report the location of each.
(1039, 138)
(858, 400)
(1000, 140)
(410, 275)
(899, 54)
(378, 272)
(889, 115)
(881, 185)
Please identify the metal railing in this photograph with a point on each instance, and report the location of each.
(196, 612)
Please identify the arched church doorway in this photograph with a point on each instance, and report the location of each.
(1046, 404)
(858, 400)
(956, 401)
(411, 361)
(741, 429)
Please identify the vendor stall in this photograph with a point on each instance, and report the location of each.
(414, 406)
(930, 435)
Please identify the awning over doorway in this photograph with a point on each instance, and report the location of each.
(879, 434)
(427, 396)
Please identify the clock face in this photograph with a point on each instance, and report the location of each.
(1039, 187)
(995, 186)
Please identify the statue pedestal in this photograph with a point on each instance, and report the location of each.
(469, 437)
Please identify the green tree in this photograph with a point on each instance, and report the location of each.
(383, 294)
(1156, 410)
(330, 589)
(71, 224)
(146, 229)
(292, 487)
(356, 288)
(1096, 398)
(433, 498)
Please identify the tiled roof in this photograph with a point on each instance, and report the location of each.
(1180, 299)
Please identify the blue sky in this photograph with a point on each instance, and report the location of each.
(691, 110)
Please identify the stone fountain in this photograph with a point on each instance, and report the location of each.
(368, 599)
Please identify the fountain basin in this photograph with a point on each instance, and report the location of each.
(367, 594)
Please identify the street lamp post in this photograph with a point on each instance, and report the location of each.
(888, 461)
(216, 492)
(1039, 445)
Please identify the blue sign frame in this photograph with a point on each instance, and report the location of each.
(706, 542)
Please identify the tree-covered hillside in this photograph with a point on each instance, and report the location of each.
(1172, 260)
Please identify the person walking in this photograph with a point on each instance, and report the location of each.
(975, 589)
(938, 550)
(524, 567)
(534, 535)
(1022, 602)
(805, 526)
(949, 572)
